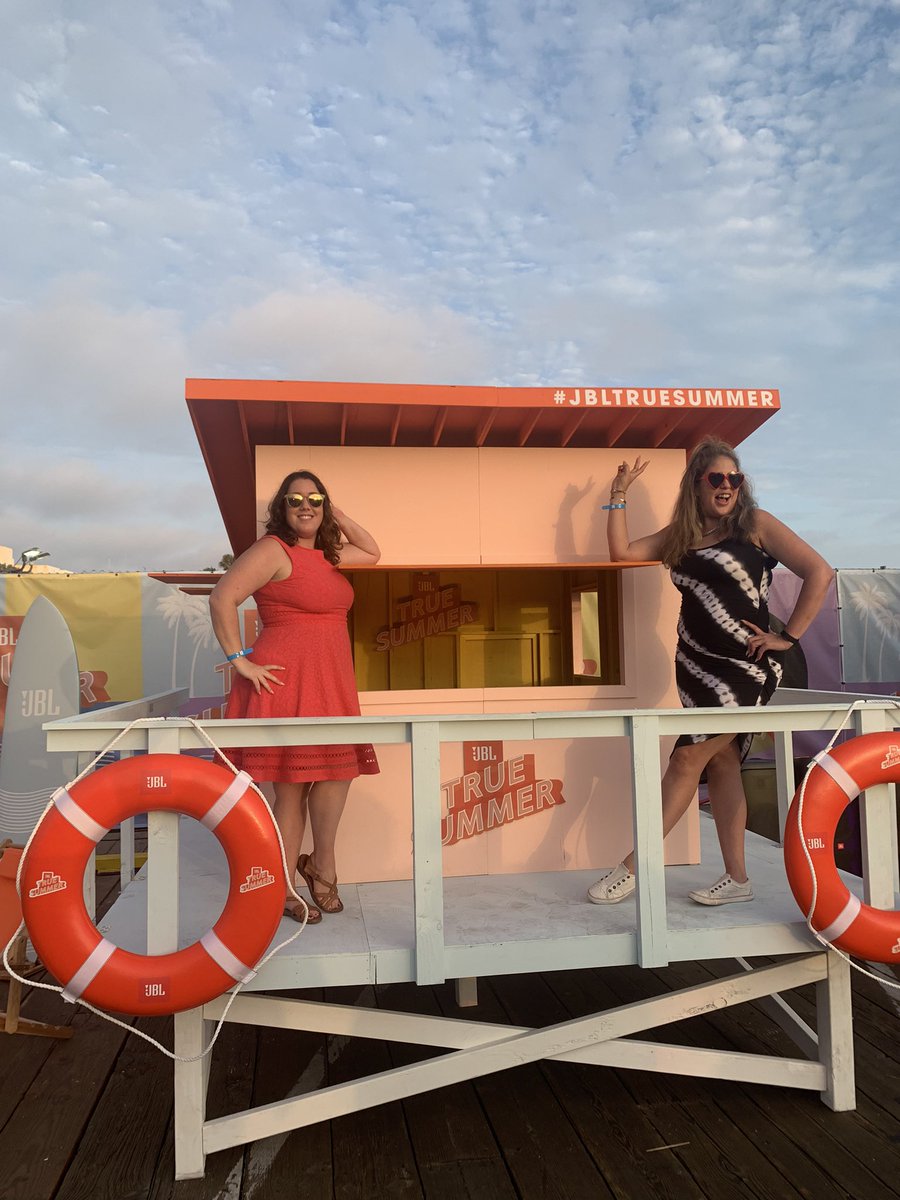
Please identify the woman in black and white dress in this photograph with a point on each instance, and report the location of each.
(720, 548)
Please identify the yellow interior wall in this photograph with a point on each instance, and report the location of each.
(520, 637)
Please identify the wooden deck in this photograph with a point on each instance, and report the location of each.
(92, 1117)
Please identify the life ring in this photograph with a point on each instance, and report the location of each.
(65, 937)
(837, 778)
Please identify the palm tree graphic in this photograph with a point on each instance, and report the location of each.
(178, 605)
(200, 628)
(869, 600)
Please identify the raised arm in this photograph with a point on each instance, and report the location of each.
(798, 556)
(263, 562)
(359, 546)
(621, 549)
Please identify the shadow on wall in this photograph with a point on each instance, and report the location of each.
(597, 824)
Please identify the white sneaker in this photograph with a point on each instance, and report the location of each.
(723, 891)
(612, 887)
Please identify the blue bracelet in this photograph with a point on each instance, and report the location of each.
(607, 507)
(238, 654)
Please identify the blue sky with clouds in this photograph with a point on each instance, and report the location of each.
(547, 192)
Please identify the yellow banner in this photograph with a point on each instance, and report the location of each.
(103, 613)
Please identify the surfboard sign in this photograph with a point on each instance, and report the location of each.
(43, 686)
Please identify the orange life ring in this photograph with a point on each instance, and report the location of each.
(837, 778)
(65, 937)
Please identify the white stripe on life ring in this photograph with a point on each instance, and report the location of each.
(833, 768)
(89, 969)
(843, 920)
(222, 956)
(76, 816)
(226, 802)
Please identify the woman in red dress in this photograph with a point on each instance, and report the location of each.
(300, 666)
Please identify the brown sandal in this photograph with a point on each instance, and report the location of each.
(294, 910)
(329, 901)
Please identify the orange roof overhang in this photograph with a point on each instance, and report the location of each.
(233, 416)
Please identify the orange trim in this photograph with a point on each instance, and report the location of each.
(233, 417)
(599, 396)
(482, 566)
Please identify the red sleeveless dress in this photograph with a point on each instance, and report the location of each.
(304, 630)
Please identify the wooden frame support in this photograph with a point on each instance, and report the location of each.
(477, 1049)
(10, 1020)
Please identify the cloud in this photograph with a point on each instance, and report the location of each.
(554, 193)
(81, 371)
(334, 332)
(129, 512)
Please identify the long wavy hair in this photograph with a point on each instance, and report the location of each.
(328, 536)
(686, 528)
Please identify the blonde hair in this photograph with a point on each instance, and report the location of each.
(686, 527)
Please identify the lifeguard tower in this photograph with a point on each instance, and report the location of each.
(519, 690)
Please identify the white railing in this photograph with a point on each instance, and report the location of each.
(425, 733)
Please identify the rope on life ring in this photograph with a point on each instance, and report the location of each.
(52, 872)
(838, 916)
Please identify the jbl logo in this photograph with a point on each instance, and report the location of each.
(815, 843)
(154, 989)
(156, 781)
(39, 702)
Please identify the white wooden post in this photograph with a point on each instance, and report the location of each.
(835, 1027)
(466, 993)
(192, 1036)
(652, 928)
(126, 851)
(877, 825)
(428, 883)
(785, 782)
(89, 884)
(162, 860)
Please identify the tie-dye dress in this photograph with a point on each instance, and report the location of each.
(721, 586)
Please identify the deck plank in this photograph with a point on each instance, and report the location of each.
(770, 1157)
(543, 1151)
(468, 1179)
(299, 1163)
(24, 1056)
(684, 1112)
(117, 1155)
(91, 1117)
(230, 1088)
(455, 1148)
(373, 1155)
(846, 1145)
(619, 1137)
(42, 1134)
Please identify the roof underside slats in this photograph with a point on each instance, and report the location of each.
(232, 417)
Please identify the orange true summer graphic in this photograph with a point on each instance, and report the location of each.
(493, 791)
(431, 610)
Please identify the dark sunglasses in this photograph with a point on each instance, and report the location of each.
(715, 479)
(314, 499)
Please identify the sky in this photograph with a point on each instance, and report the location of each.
(503, 192)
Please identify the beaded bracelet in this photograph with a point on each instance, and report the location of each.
(607, 507)
(238, 654)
